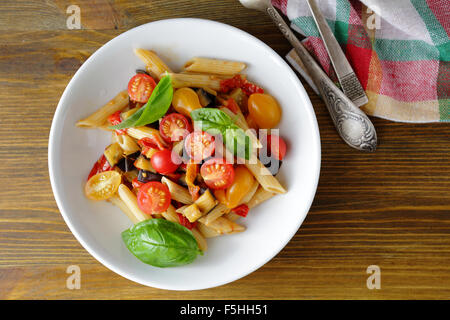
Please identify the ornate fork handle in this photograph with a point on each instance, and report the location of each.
(353, 125)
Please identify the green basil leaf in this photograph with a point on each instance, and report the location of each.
(161, 243)
(216, 121)
(155, 108)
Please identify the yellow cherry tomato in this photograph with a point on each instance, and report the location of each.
(264, 110)
(103, 185)
(242, 184)
(185, 100)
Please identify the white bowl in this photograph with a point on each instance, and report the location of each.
(72, 151)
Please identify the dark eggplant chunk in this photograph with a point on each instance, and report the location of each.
(154, 125)
(127, 163)
(206, 99)
(147, 176)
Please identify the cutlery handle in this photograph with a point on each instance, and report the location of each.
(353, 125)
(344, 72)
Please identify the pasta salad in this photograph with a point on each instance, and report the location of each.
(191, 153)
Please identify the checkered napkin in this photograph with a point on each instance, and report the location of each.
(399, 49)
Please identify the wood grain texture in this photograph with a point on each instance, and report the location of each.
(390, 208)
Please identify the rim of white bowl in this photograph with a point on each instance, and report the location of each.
(56, 126)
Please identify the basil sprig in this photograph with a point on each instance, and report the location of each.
(215, 121)
(155, 108)
(161, 243)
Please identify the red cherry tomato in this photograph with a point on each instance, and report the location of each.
(153, 197)
(141, 87)
(199, 145)
(241, 210)
(163, 163)
(114, 120)
(136, 183)
(276, 146)
(100, 165)
(185, 222)
(232, 105)
(174, 127)
(217, 174)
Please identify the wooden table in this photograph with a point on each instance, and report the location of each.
(390, 208)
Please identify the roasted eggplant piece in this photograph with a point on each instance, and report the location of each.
(113, 153)
(127, 162)
(205, 98)
(147, 176)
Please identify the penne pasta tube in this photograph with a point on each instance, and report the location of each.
(201, 241)
(216, 66)
(192, 212)
(206, 202)
(171, 215)
(232, 216)
(215, 213)
(115, 200)
(206, 231)
(127, 143)
(264, 177)
(99, 117)
(180, 80)
(260, 196)
(130, 201)
(177, 192)
(153, 64)
(145, 132)
(223, 225)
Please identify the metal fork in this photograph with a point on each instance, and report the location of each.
(344, 72)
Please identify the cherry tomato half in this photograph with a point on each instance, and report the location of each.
(141, 87)
(100, 165)
(153, 197)
(199, 145)
(103, 185)
(163, 162)
(217, 174)
(276, 146)
(174, 127)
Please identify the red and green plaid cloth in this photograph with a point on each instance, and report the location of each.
(399, 49)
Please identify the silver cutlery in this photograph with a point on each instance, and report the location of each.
(344, 72)
(353, 125)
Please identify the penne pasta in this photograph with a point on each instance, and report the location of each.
(260, 196)
(206, 202)
(215, 213)
(206, 231)
(145, 132)
(153, 64)
(177, 192)
(224, 226)
(201, 241)
(115, 200)
(192, 212)
(99, 117)
(171, 215)
(127, 143)
(130, 201)
(264, 177)
(215, 66)
(232, 216)
(181, 80)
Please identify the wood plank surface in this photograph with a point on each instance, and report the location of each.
(390, 208)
